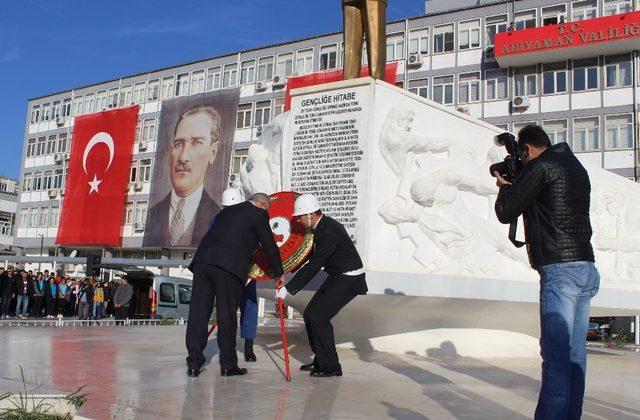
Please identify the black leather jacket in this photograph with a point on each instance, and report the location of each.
(552, 193)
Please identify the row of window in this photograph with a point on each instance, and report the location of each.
(526, 80)
(5, 228)
(48, 145)
(39, 217)
(44, 180)
(258, 115)
(618, 132)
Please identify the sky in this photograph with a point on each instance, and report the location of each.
(50, 46)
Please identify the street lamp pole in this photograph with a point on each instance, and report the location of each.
(41, 250)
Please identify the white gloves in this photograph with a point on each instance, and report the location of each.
(281, 293)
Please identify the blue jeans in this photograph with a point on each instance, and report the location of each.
(566, 290)
(97, 310)
(24, 301)
(249, 311)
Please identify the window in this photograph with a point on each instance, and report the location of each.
(66, 107)
(62, 142)
(585, 74)
(77, 105)
(133, 171)
(443, 38)
(556, 130)
(52, 144)
(614, 7)
(586, 134)
(47, 180)
(26, 181)
(525, 20)
(469, 35)
(263, 113)
(141, 213)
(265, 69)
(328, 57)
(24, 218)
(419, 41)
(239, 158)
(395, 47)
(582, 10)
(284, 65)
(244, 116)
(554, 78)
(46, 112)
(519, 126)
(101, 101)
(128, 214)
(419, 87)
(619, 131)
(197, 82)
(112, 99)
(54, 219)
(554, 15)
(278, 107)
(35, 114)
(304, 61)
(148, 130)
(525, 81)
(248, 72)
(57, 178)
(443, 90)
(184, 294)
(167, 293)
(145, 170)
(230, 75)
(42, 142)
(89, 104)
(55, 110)
(126, 96)
(166, 90)
(496, 84)
(153, 90)
(214, 76)
(618, 71)
(182, 84)
(33, 217)
(468, 88)
(31, 147)
(44, 217)
(138, 93)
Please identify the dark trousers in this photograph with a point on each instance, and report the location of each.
(249, 311)
(324, 305)
(37, 307)
(6, 304)
(209, 283)
(52, 306)
(122, 312)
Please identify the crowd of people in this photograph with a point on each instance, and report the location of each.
(26, 294)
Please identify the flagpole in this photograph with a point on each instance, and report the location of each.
(283, 331)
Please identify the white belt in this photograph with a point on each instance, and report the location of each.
(357, 272)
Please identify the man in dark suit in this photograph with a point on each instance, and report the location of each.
(220, 267)
(333, 250)
(182, 217)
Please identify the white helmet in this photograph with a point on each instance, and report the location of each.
(231, 196)
(305, 204)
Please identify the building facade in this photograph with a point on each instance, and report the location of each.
(8, 206)
(446, 55)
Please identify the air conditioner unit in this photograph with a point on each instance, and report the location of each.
(259, 131)
(464, 110)
(415, 60)
(53, 193)
(66, 156)
(260, 86)
(60, 121)
(489, 52)
(58, 157)
(138, 227)
(521, 102)
(279, 81)
(142, 146)
(137, 186)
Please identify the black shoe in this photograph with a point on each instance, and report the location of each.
(233, 372)
(193, 372)
(309, 367)
(249, 355)
(322, 373)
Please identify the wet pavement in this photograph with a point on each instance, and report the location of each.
(140, 373)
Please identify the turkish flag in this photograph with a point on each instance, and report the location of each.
(99, 164)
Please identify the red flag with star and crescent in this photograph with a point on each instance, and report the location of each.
(99, 164)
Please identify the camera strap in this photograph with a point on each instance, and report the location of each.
(513, 227)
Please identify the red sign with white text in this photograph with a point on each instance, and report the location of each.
(581, 39)
(98, 170)
(320, 78)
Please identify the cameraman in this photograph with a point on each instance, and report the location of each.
(552, 193)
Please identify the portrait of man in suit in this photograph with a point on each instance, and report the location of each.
(191, 166)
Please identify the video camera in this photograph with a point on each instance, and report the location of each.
(511, 166)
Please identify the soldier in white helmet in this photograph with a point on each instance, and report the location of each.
(334, 251)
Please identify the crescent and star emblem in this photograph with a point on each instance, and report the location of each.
(99, 138)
